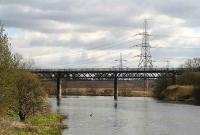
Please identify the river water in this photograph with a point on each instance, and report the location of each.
(127, 116)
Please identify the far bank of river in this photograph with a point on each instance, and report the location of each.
(129, 115)
(125, 92)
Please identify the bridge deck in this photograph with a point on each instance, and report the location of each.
(111, 70)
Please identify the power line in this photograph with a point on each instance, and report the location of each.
(108, 45)
(103, 55)
(170, 47)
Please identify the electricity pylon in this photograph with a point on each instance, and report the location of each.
(121, 62)
(167, 60)
(145, 61)
(145, 55)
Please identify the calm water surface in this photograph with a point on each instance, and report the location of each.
(127, 116)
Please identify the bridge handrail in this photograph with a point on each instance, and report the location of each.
(111, 69)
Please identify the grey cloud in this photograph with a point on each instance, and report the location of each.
(103, 14)
(174, 52)
(183, 9)
(117, 17)
(84, 15)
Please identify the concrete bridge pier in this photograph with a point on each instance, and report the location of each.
(58, 91)
(115, 87)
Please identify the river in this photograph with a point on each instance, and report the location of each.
(127, 116)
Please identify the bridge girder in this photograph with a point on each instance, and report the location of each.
(109, 73)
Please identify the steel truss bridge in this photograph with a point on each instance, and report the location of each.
(108, 74)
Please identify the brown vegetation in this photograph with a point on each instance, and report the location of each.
(98, 88)
(178, 93)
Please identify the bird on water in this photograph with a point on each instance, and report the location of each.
(91, 114)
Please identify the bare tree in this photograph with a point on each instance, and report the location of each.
(192, 63)
(22, 63)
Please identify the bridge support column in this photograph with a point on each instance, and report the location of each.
(115, 87)
(59, 91)
(174, 78)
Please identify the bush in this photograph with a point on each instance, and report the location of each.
(30, 97)
(161, 84)
(189, 78)
(196, 94)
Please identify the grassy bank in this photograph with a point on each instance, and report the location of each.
(178, 93)
(48, 124)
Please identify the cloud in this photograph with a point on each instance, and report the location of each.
(92, 33)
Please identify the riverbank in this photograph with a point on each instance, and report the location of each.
(178, 94)
(51, 124)
(125, 92)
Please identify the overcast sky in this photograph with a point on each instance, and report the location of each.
(93, 33)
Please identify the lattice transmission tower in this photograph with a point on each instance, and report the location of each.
(145, 61)
(121, 60)
(145, 55)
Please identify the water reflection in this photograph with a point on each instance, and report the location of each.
(145, 120)
(58, 102)
(115, 104)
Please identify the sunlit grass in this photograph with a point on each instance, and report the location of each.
(46, 124)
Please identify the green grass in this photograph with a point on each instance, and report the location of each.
(45, 120)
(45, 124)
(48, 124)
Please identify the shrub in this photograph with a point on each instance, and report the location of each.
(196, 94)
(30, 97)
(189, 78)
(161, 84)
